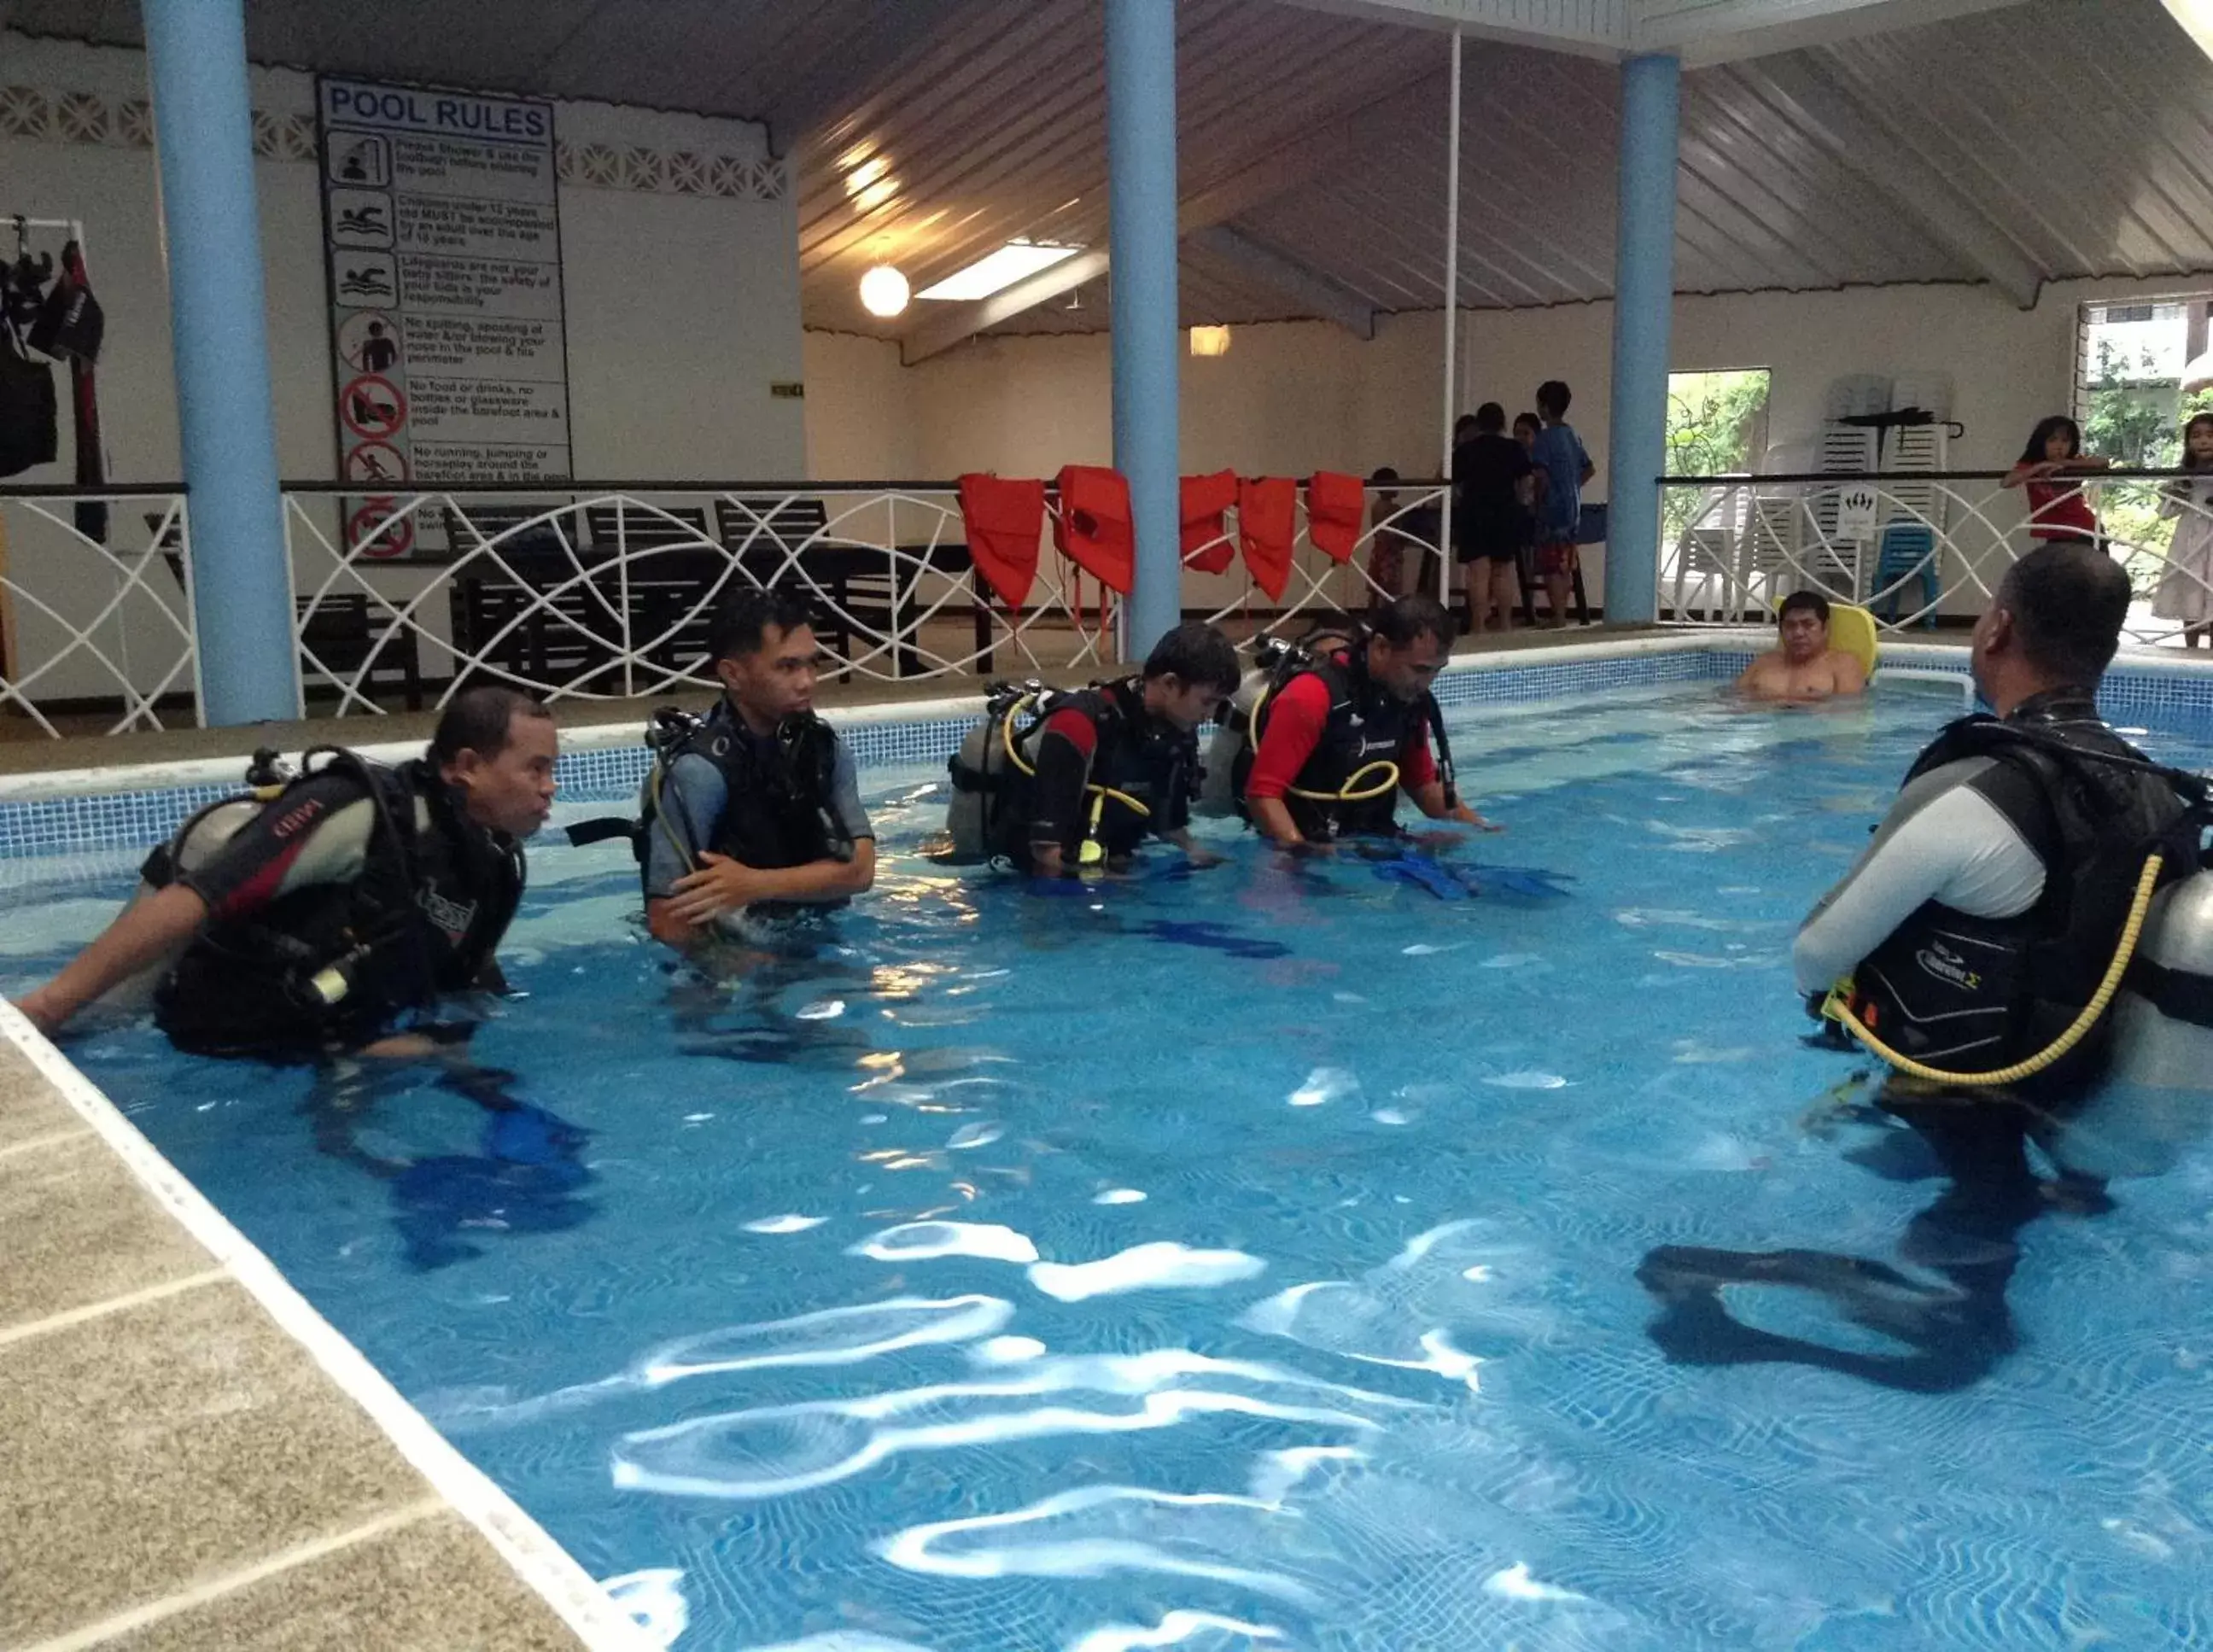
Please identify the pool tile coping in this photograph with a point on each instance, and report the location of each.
(542, 1565)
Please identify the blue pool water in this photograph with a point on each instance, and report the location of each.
(1240, 1261)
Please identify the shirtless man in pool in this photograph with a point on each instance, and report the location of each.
(1805, 667)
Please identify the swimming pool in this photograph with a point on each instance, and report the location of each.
(1243, 1261)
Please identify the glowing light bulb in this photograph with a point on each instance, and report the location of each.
(883, 291)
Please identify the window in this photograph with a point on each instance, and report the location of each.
(2130, 362)
(1716, 426)
(1716, 422)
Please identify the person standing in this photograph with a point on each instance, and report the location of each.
(761, 805)
(2057, 512)
(2185, 593)
(1971, 938)
(1492, 487)
(1559, 455)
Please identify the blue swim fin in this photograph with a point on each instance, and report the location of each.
(528, 1135)
(1424, 873)
(1531, 880)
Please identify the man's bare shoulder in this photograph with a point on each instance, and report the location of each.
(1768, 670)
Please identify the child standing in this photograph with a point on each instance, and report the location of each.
(2057, 512)
(2186, 592)
(1559, 457)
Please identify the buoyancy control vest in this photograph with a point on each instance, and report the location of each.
(1141, 767)
(1349, 785)
(1980, 994)
(777, 793)
(335, 963)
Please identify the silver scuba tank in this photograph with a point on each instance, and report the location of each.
(197, 842)
(981, 771)
(2157, 1099)
(1218, 796)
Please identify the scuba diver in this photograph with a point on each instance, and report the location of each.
(314, 915)
(756, 807)
(1053, 782)
(1322, 738)
(1977, 948)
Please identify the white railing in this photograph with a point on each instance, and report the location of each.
(601, 592)
(1915, 547)
(95, 616)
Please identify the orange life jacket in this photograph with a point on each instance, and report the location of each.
(1267, 520)
(1094, 529)
(1004, 520)
(1335, 504)
(1206, 545)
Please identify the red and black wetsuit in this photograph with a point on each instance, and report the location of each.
(1318, 730)
(1103, 736)
(374, 870)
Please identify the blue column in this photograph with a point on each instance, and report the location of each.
(1141, 160)
(203, 129)
(1644, 309)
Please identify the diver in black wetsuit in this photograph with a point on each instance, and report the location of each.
(1973, 931)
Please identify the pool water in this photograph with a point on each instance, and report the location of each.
(1238, 1261)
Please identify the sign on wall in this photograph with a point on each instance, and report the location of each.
(442, 238)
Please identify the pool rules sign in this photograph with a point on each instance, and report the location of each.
(444, 244)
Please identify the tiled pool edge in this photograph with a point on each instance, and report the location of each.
(135, 806)
(543, 1567)
(131, 807)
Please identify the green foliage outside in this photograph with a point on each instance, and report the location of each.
(2136, 422)
(1713, 419)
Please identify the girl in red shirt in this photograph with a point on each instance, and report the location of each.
(2057, 512)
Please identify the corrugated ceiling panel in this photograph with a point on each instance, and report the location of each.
(938, 129)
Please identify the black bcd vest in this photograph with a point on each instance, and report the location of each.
(1367, 724)
(1141, 758)
(338, 962)
(1977, 994)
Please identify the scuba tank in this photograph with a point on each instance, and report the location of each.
(2154, 1106)
(984, 771)
(192, 845)
(1237, 737)
(1218, 794)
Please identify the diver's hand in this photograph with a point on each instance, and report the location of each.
(720, 884)
(42, 1010)
(1045, 861)
(1467, 816)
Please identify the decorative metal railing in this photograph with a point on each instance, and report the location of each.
(1911, 546)
(604, 591)
(95, 608)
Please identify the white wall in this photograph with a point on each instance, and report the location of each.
(681, 311)
(1290, 397)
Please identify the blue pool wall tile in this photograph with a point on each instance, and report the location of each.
(136, 820)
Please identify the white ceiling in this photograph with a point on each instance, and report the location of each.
(2048, 139)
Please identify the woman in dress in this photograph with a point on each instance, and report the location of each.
(2185, 593)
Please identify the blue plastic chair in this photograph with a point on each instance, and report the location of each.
(1908, 549)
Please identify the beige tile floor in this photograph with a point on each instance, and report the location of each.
(179, 1472)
